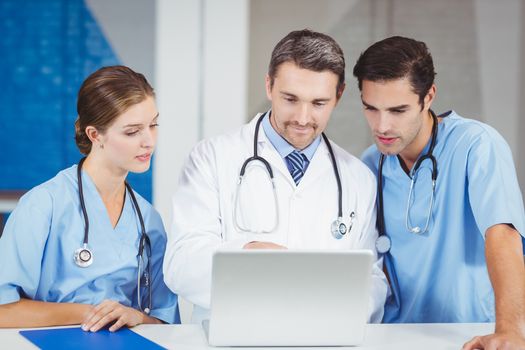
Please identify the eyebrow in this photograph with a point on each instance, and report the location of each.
(405, 106)
(322, 99)
(139, 124)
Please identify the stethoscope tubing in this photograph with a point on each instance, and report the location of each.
(337, 225)
(144, 242)
(428, 155)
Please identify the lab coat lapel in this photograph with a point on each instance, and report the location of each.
(273, 157)
(268, 152)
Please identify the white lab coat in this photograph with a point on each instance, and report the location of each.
(203, 211)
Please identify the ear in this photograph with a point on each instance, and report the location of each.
(340, 93)
(94, 135)
(268, 87)
(429, 98)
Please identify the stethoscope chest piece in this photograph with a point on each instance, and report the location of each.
(339, 228)
(83, 256)
(383, 244)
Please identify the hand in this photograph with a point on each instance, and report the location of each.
(109, 311)
(500, 341)
(262, 245)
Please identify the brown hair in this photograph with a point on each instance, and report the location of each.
(309, 50)
(105, 95)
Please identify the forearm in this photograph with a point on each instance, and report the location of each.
(31, 313)
(187, 269)
(378, 293)
(507, 273)
(188, 261)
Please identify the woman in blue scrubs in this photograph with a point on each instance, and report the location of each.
(53, 272)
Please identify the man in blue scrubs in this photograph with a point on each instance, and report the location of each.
(453, 252)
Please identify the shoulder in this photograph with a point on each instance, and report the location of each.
(220, 143)
(210, 152)
(371, 158)
(62, 187)
(352, 165)
(469, 131)
(148, 211)
(43, 206)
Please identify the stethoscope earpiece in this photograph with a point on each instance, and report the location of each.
(415, 230)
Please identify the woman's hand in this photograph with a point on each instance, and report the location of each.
(110, 311)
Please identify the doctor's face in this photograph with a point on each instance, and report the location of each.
(395, 116)
(302, 102)
(129, 142)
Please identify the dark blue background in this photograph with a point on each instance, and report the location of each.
(47, 48)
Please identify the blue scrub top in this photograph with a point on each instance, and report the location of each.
(47, 226)
(441, 275)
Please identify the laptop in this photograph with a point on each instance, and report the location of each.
(289, 298)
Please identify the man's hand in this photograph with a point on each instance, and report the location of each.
(496, 341)
(111, 311)
(504, 254)
(263, 245)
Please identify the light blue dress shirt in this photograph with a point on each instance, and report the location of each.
(441, 275)
(283, 147)
(47, 226)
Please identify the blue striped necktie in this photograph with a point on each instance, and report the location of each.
(297, 161)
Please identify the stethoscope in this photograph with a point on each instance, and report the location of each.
(338, 227)
(84, 256)
(383, 242)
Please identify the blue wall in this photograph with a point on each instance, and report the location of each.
(47, 48)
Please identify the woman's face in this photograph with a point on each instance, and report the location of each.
(130, 141)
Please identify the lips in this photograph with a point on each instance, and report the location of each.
(386, 140)
(144, 157)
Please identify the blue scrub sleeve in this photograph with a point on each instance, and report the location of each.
(22, 246)
(164, 301)
(493, 189)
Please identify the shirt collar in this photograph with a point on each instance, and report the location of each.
(281, 145)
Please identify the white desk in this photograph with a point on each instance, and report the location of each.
(396, 337)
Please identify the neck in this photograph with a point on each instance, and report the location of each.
(411, 153)
(108, 179)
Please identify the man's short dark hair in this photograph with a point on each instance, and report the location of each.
(309, 50)
(396, 58)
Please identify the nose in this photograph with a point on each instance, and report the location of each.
(303, 114)
(383, 123)
(149, 138)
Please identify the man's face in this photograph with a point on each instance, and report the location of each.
(395, 116)
(302, 102)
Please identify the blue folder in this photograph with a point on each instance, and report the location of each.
(76, 338)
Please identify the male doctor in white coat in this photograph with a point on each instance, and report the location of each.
(304, 83)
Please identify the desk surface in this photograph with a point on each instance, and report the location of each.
(378, 336)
